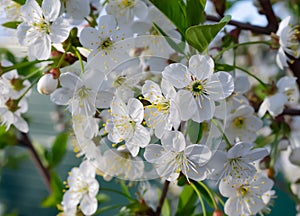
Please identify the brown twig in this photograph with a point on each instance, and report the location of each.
(162, 198)
(291, 112)
(266, 9)
(25, 141)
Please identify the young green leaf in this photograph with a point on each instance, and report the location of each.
(56, 194)
(175, 10)
(195, 11)
(12, 24)
(59, 148)
(21, 2)
(187, 200)
(194, 131)
(201, 36)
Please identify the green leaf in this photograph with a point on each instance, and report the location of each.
(175, 10)
(57, 192)
(102, 197)
(194, 131)
(204, 193)
(12, 24)
(7, 55)
(125, 188)
(224, 67)
(21, 2)
(177, 47)
(195, 11)
(187, 200)
(59, 148)
(200, 36)
(166, 209)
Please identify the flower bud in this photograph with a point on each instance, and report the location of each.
(55, 72)
(218, 212)
(295, 156)
(283, 144)
(47, 84)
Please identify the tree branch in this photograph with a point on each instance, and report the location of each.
(266, 9)
(291, 112)
(162, 198)
(26, 142)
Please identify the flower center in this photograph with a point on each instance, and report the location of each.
(128, 3)
(243, 190)
(119, 81)
(197, 87)
(239, 122)
(43, 26)
(83, 92)
(106, 43)
(12, 105)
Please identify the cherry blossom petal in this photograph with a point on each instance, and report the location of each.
(202, 66)
(177, 74)
(51, 9)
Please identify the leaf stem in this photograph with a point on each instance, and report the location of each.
(200, 198)
(238, 45)
(23, 64)
(214, 121)
(63, 56)
(209, 193)
(252, 75)
(80, 59)
(27, 90)
(117, 192)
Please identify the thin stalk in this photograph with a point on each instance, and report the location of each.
(274, 150)
(252, 75)
(27, 90)
(200, 198)
(209, 193)
(23, 64)
(240, 44)
(117, 192)
(80, 59)
(35, 72)
(63, 56)
(214, 121)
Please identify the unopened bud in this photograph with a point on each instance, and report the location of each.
(55, 72)
(47, 84)
(271, 172)
(218, 212)
(283, 144)
(295, 156)
(265, 163)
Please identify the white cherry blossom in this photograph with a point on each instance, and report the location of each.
(41, 27)
(246, 197)
(103, 38)
(242, 124)
(198, 86)
(237, 162)
(288, 41)
(125, 125)
(175, 156)
(286, 93)
(83, 188)
(163, 113)
(126, 10)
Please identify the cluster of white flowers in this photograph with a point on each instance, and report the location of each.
(133, 92)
